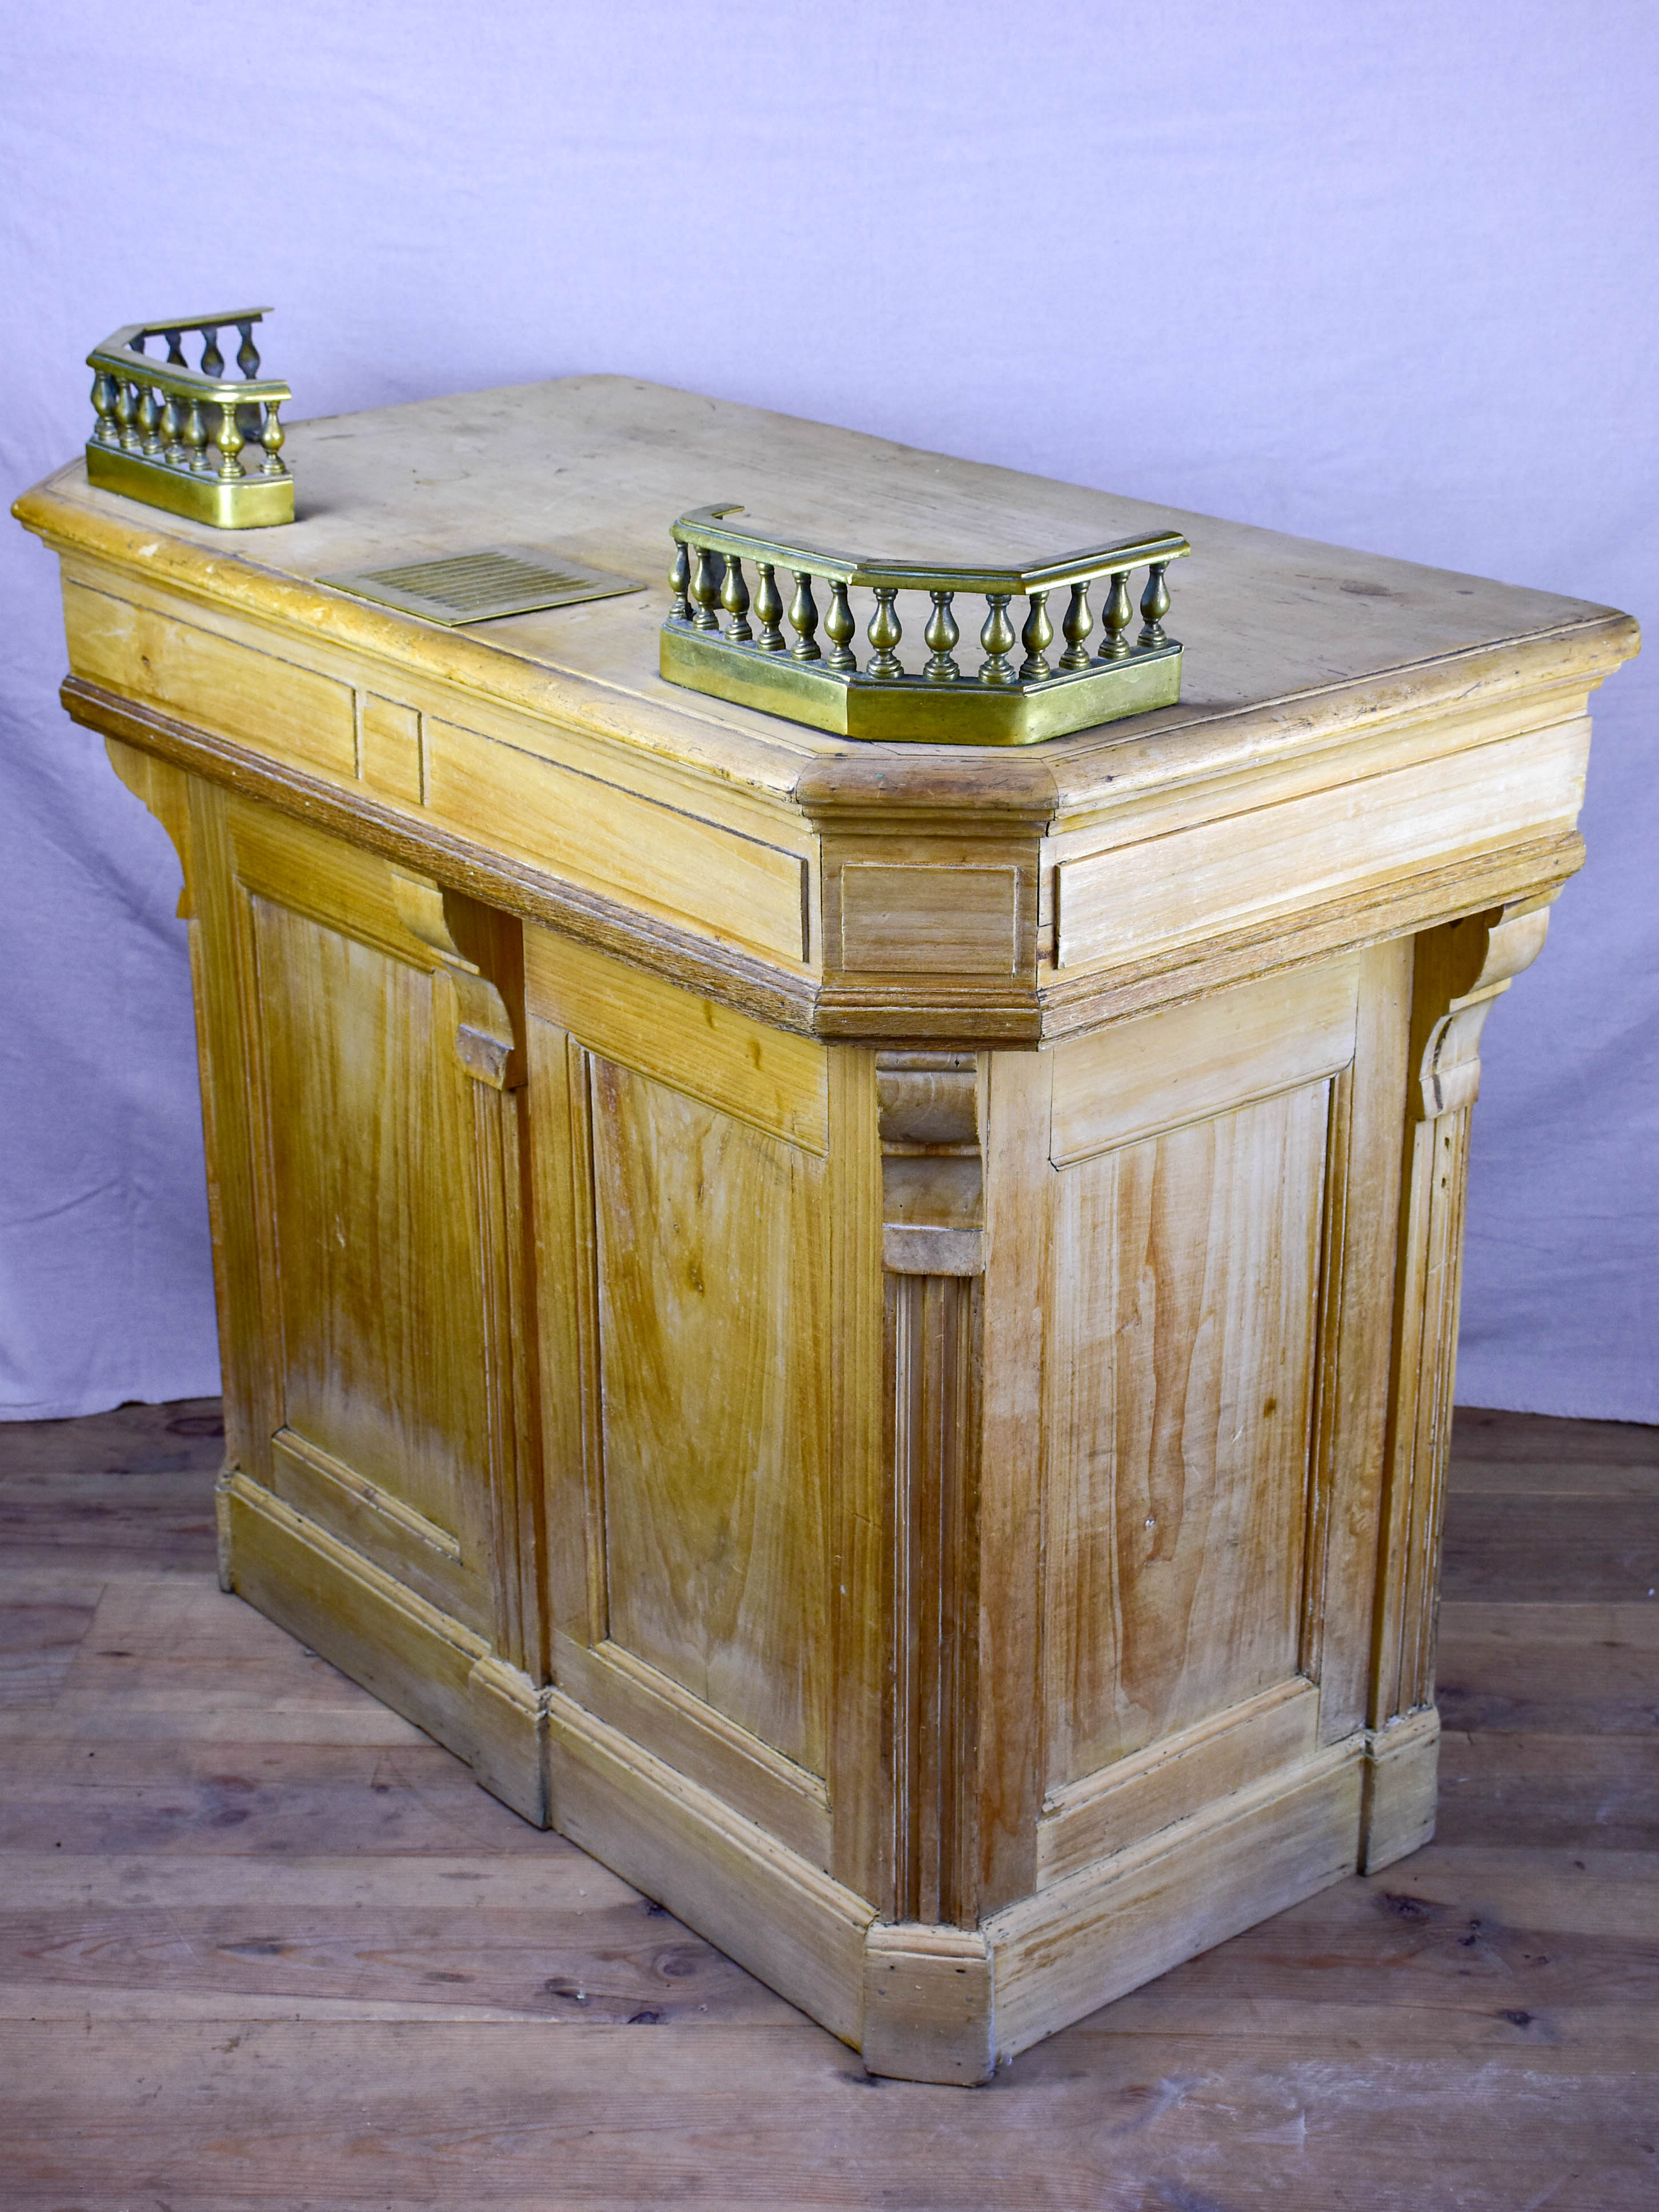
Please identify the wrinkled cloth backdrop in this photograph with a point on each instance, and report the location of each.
(1384, 277)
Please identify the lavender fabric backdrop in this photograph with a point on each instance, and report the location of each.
(1385, 277)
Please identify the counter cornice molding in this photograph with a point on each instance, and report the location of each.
(1035, 1009)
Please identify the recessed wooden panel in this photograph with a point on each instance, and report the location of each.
(712, 1296)
(210, 680)
(389, 736)
(691, 1736)
(1192, 1062)
(616, 841)
(1186, 1334)
(1217, 875)
(340, 885)
(919, 920)
(383, 1354)
(770, 1076)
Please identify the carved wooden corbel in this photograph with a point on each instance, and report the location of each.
(1460, 971)
(486, 1038)
(165, 790)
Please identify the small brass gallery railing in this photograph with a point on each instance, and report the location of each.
(175, 437)
(769, 653)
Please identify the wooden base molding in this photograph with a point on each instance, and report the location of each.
(1112, 1926)
(922, 2002)
(379, 1632)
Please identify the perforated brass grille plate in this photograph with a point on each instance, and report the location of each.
(474, 587)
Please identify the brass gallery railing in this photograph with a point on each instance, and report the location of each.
(175, 437)
(936, 699)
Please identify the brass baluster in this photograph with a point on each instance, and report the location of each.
(883, 633)
(195, 440)
(1079, 621)
(769, 608)
(175, 349)
(804, 619)
(679, 583)
(231, 443)
(941, 634)
(998, 638)
(704, 589)
(1119, 614)
(247, 355)
(838, 627)
(271, 438)
(734, 597)
(125, 408)
(1154, 605)
(103, 401)
(171, 423)
(213, 361)
(149, 422)
(1037, 637)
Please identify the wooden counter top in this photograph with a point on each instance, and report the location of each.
(1286, 640)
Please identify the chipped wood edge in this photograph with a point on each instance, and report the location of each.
(1402, 1780)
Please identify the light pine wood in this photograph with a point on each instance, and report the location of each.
(867, 1332)
(765, 1076)
(710, 1255)
(567, 1331)
(1185, 1372)
(615, 841)
(1255, 864)
(861, 1492)
(792, 1925)
(389, 749)
(1209, 1057)
(698, 1741)
(1115, 1924)
(1024, 1292)
(929, 1988)
(395, 1395)
(212, 680)
(1460, 971)
(1348, 1441)
(1416, 704)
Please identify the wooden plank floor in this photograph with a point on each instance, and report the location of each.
(265, 1945)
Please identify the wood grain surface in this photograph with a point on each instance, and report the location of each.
(711, 1262)
(1182, 1441)
(265, 1944)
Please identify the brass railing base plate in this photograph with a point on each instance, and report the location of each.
(910, 710)
(250, 502)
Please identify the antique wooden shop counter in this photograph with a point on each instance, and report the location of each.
(865, 1328)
